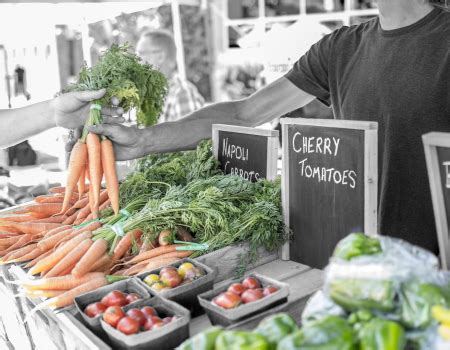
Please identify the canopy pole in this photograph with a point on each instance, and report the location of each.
(177, 35)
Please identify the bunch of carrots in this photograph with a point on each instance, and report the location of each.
(66, 254)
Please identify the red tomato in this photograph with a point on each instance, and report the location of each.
(148, 311)
(115, 298)
(128, 325)
(251, 295)
(251, 283)
(151, 322)
(138, 315)
(95, 309)
(269, 290)
(112, 315)
(132, 297)
(227, 300)
(236, 288)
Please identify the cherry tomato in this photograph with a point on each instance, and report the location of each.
(236, 288)
(171, 279)
(95, 309)
(138, 315)
(132, 297)
(115, 298)
(128, 325)
(149, 311)
(251, 295)
(251, 283)
(151, 322)
(269, 290)
(227, 300)
(112, 315)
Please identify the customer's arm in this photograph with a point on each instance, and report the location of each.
(68, 110)
(270, 102)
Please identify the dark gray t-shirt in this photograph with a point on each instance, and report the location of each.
(400, 79)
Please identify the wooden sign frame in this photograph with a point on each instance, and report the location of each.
(370, 169)
(272, 144)
(430, 143)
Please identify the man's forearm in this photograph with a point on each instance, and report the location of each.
(21, 123)
(187, 132)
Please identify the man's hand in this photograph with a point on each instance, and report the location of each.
(126, 139)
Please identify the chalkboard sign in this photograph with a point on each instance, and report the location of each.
(437, 154)
(247, 152)
(329, 185)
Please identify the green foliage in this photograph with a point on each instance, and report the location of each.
(135, 84)
(187, 189)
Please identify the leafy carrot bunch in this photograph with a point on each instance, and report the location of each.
(131, 84)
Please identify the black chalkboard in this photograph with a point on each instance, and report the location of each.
(242, 154)
(325, 189)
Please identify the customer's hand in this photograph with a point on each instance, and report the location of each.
(126, 139)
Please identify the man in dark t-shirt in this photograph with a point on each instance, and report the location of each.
(367, 73)
(393, 70)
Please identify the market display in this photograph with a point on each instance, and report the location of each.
(174, 206)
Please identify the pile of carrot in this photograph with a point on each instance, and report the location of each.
(64, 258)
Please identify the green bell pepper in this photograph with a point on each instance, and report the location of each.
(379, 334)
(356, 244)
(329, 333)
(240, 340)
(203, 341)
(275, 328)
(354, 294)
(416, 302)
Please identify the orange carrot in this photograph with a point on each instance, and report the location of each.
(44, 209)
(83, 212)
(58, 219)
(37, 215)
(82, 181)
(67, 271)
(69, 260)
(154, 252)
(180, 254)
(34, 227)
(25, 239)
(101, 263)
(95, 169)
(125, 244)
(66, 299)
(21, 252)
(71, 219)
(38, 258)
(94, 253)
(56, 230)
(44, 293)
(53, 199)
(81, 203)
(77, 160)
(109, 168)
(51, 241)
(17, 218)
(57, 283)
(34, 253)
(51, 260)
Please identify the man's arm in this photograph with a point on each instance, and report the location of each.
(272, 101)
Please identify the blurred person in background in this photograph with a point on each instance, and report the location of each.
(157, 48)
